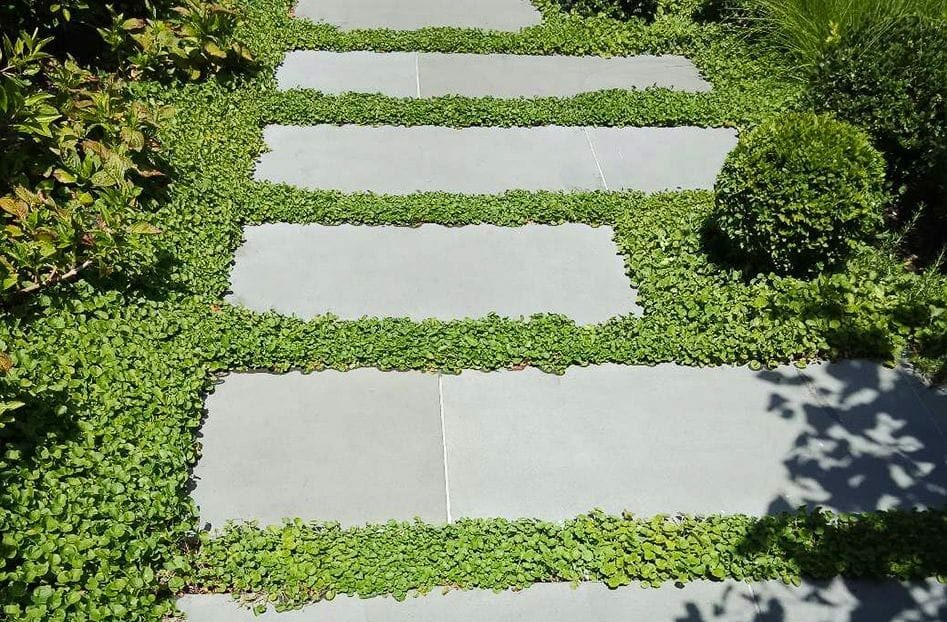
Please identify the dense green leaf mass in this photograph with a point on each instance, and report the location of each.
(296, 563)
(95, 515)
(799, 193)
(898, 94)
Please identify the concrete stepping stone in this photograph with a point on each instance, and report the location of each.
(359, 446)
(507, 15)
(728, 601)
(433, 271)
(693, 440)
(484, 160)
(852, 600)
(413, 74)
(365, 446)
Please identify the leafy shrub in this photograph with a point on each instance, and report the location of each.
(701, 10)
(76, 152)
(621, 9)
(183, 38)
(799, 192)
(71, 25)
(75, 159)
(196, 40)
(931, 336)
(897, 91)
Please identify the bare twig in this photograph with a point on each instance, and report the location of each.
(60, 278)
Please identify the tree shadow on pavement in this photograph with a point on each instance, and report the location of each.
(873, 439)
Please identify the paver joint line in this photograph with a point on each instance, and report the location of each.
(440, 398)
(417, 71)
(598, 164)
(754, 599)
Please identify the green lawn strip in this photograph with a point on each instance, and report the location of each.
(297, 563)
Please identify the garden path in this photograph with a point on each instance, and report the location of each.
(368, 446)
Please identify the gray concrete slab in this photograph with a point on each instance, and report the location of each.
(404, 160)
(485, 160)
(411, 74)
(509, 75)
(507, 15)
(540, 603)
(884, 443)
(368, 446)
(656, 159)
(433, 271)
(730, 601)
(847, 600)
(362, 446)
(394, 73)
(677, 439)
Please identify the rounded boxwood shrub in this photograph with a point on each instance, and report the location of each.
(893, 84)
(798, 193)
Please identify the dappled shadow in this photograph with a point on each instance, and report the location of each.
(720, 251)
(617, 9)
(151, 280)
(45, 419)
(872, 439)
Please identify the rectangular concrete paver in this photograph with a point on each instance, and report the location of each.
(679, 439)
(366, 446)
(729, 601)
(882, 442)
(394, 73)
(507, 15)
(362, 446)
(540, 603)
(490, 160)
(655, 159)
(404, 160)
(433, 271)
(513, 75)
(852, 600)
(411, 74)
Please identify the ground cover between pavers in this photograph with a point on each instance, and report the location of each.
(483, 160)
(415, 14)
(130, 363)
(433, 271)
(731, 601)
(846, 436)
(413, 74)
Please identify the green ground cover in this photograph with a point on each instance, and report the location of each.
(296, 563)
(110, 370)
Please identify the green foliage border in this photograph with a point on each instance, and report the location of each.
(96, 518)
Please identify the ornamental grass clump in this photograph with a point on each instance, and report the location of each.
(804, 29)
(799, 193)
